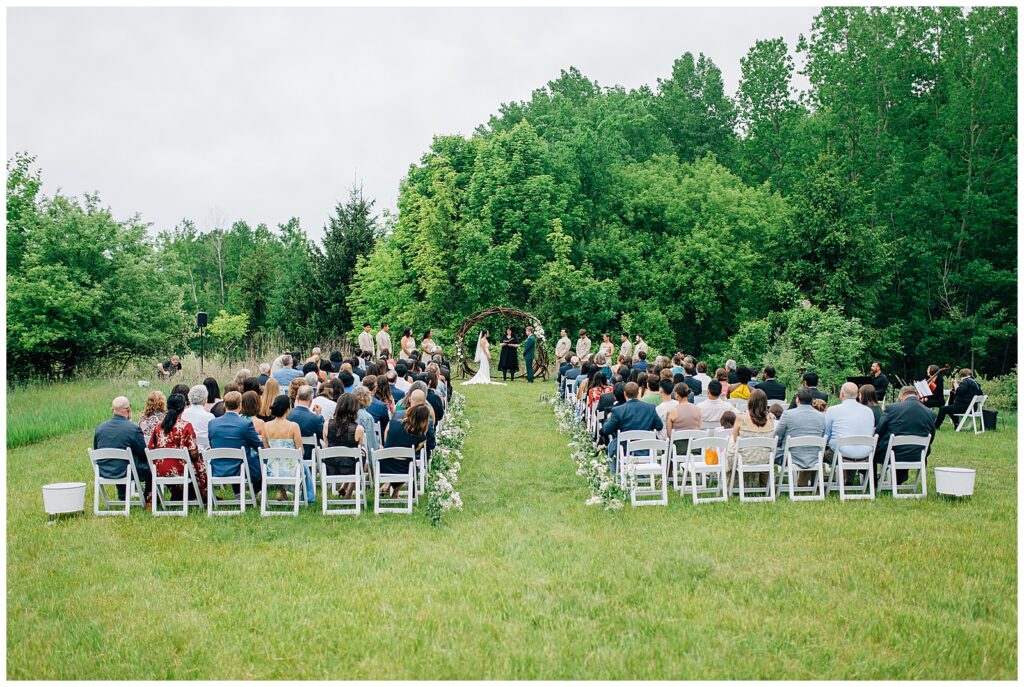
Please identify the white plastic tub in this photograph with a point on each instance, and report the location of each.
(64, 497)
(954, 481)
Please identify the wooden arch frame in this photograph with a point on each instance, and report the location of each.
(465, 365)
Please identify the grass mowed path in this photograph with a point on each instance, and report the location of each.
(526, 582)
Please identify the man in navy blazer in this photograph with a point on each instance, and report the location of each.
(634, 414)
(310, 424)
(908, 417)
(120, 432)
(231, 430)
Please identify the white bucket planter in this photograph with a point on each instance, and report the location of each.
(64, 497)
(954, 481)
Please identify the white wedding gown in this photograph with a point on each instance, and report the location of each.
(483, 375)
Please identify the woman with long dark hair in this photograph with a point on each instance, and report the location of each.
(408, 343)
(344, 430)
(756, 422)
(867, 396)
(213, 396)
(408, 432)
(174, 432)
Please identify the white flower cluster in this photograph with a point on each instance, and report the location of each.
(591, 463)
(446, 461)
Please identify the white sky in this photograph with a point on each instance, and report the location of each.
(263, 114)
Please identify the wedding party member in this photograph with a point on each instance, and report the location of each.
(963, 393)
(408, 344)
(483, 359)
(427, 345)
(508, 361)
(625, 347)
(773, 389)
(907, 417)
(583, 344)
(152, 414)
(120, 432)
(384, 341)
(529, 350)
(879, 381)
(365, 339)
(607, 348)
(563, 346)
(641, 347)
(176, 432)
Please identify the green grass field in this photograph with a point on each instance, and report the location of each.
(526, 582)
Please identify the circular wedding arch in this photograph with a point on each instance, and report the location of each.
(540, 362)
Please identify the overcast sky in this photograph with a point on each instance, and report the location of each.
(265, 114)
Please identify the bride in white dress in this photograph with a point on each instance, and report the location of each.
(483, 358)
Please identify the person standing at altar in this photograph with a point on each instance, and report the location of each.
(529, 349)
(384, 341)
(625, 347)
(366, 339)
(607, 347)
(508, 362)
(641, 345)
(563, 345)
(583, 344)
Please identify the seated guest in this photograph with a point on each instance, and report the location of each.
(402, 381)
(819, 405)
(702, 374)
(384, 393)
(311, 424)
(773, 389)
(632, 415)
(776, 410)
(571, 373)
(280, 432)
(348, 381)
(344, 430)
(231, 430)
(120, 432)
(377, 409)
(152, 414)
(270, 392)
(811, 382)
(286, 373)
(711, 410)
(336, 360)
(879, 381)
(722, 377)
(866, 396)
(212, 397)
(264, 374)
(641, 362)
(665, 390)
(597, 388)
(683, 415)
(907, 417)
(180, 389)
(731, 376)
(728, 420)
(964, 393)
(801, 421)
(848, 418)
(653, 393)
(696, 386)
(177, 432)
(249, 410)
(251, 384)
(293, 389)
(411, 431)
(433, 398)
(323, 404)
(756, 423)
(197, 415)
(365, 420)
(741, 389)
(397, 393)
(240, 378)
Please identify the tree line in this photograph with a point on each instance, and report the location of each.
(872, 216)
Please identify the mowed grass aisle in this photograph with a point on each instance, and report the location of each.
(526, 582)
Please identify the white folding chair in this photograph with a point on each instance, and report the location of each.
(294, 478)
(422, 469)
(974, 414)
(742, 468)
(310, 462)
(328, 481)
(887, 478)
(841, 464)
(622, 440)
(236, 461)
(787, 476)
(377, 433)
(645, 465)
(117, 461)
(696, 465)
(384, 504)
(739, 404)
(677, 457)
(162, 505)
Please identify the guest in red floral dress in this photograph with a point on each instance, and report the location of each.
(174, 432)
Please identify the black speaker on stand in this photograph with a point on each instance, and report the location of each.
(201, 321)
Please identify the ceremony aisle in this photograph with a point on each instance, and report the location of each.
(525, 582)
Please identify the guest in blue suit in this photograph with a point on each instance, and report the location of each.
(310, 424)
(231, 430)
(634, 414)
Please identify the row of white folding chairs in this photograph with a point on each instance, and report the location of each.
(644, 458)
(121, 463)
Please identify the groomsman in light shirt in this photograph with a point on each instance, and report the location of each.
(641, 345)
(626, 347)
(583, 344)
(366, 339)
(384, 341)
(563, 346)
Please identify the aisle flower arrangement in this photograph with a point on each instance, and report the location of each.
(592, 463)
(446, 461)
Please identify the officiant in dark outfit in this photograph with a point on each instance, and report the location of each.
(508, 362)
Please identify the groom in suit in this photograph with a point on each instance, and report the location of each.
(529, 349)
